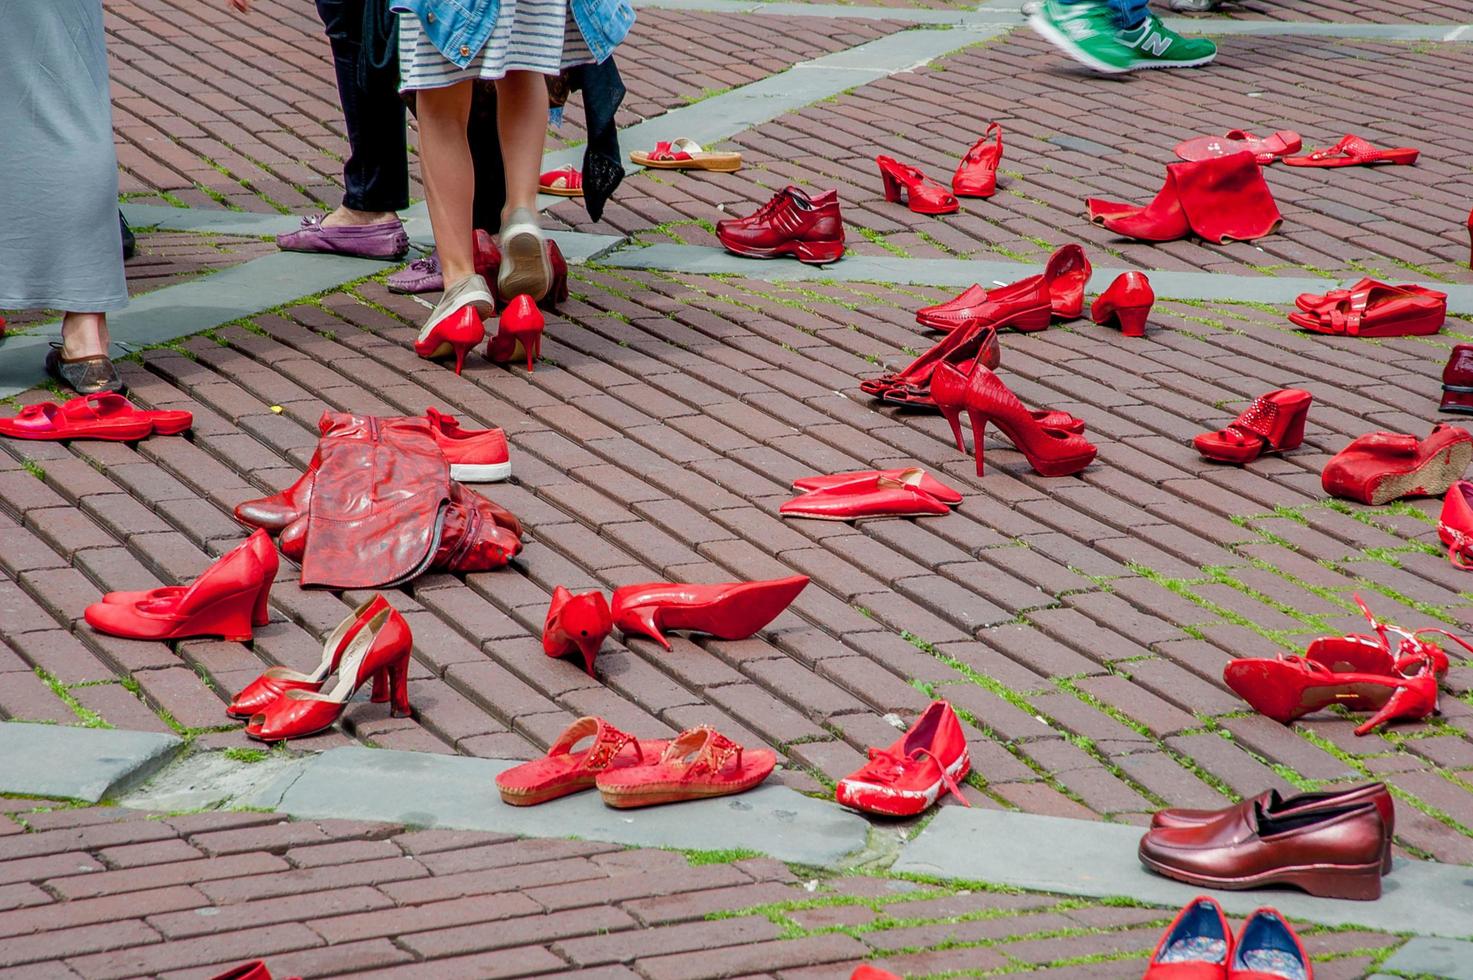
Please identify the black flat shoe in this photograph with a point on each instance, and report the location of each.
(84, 375)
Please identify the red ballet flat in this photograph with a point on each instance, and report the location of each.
(1272, 424)
(976, 175)
(518, 330)
(1196, 946)
(1127, 302)
(1353, 151)
(1291, 687)
(1374, 309)
(928, 483)
(576, 622)
(923, 195)
(700, 763)
(563, 771)
(728, 611)
(1380, 467)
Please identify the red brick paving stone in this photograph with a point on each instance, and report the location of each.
(243, 945)
(250, 914)
(752, 957)
(296, 882)
(420, 918)
(61, 943)
(513, 932)
(687, 906)
(626, 947)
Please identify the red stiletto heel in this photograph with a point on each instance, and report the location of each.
(1050, 451)
(923, 195)
(1272, 424)
(457, 333)
(1291, 687)
(521, 323)
(1128, 302)
(730, 611)
(576, 622)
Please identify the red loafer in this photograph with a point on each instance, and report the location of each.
(1380, 467)
(808, 228)
(910, 775)
(1272, 424)
(976, 175)
(1019, 305)
(1127, 303)
(922, 194)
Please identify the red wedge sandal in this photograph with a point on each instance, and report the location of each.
(1272, 424)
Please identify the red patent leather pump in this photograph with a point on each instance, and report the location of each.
(1272, 424)
(260, 692)
(576, 622)
(1051, 452)
(265, 553)
(923, 195)
(520, 327)
(381, 645)
(1291, 687)
(1127, 302)
(730, 611)
(976, 175)
(455, 334)
(225, 601)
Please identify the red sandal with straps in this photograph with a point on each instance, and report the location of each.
(1361, 654)
(1354, 151)
(976, 175)
(563, 771)
(1273, 423)
(700, 763)
(1375, 309)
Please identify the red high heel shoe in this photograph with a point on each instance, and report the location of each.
(1222, 199)
(729, 611)
(254, 970)
(1025, 305)
(520, 326)
(1292, 687)
(923, 195)
(576, 622)
(382, 644)
(260, 692)
(1051, 452)
(225, 601)
(1127, 302)
(455, 324)
(1272, 424)
(1455, 525)
(265, 553)
(976, 175)
(1356, 653)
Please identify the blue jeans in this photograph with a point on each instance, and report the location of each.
(1128, 13)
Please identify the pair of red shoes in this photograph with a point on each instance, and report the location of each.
(908, 777)
(728, 611)
(518, 329)
(373, 642)
(1380, 467)
(1051, 446)
(228, 600)
(868, 494)
(1372, 309)
(1220, 199)
(104, 415)
(1273, 423)
(697, 764)
(976, 176)
(1199, 945)
(810, 229)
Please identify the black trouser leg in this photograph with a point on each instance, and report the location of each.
(376, 174)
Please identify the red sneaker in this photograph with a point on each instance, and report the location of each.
(909, 776)
(1380, 467)
(475, 455)
(792, 223)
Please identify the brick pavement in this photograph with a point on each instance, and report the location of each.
(102, 892)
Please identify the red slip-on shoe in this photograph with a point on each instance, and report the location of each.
(808, 228)
(1457, 381)
(1051, 452)
(864, 499)
(976, 175)
(265, 553)
(1272, 424)
(563, 771)
(576, 623)
(49, 421)
(518, 333)
(928, 483)
(700, 763)
(910, 775)
(975, 341)
(276, 681)
(1196, 946)
(922, 194)
(728, 611)
(474, 455)
(1455, 524)
(1265, 150)
(108, 405)
(1267, 948)
(1374, 309)
(1380, 467)
(1019, 304)
(1289, 688)
(1353, 151)
(1127, 303)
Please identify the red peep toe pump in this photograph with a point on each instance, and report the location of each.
(976, 175)
(923, 195)
(1051, 452)
(729, 611)
(576, 622)
(1127, 302)
(1272, 424)
(382, 644)
(520, 328)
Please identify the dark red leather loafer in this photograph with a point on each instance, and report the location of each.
(1457, 381)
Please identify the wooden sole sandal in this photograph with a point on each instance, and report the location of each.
(701, 762)
(686, 154)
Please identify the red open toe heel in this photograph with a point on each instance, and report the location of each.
(923, 195)
(521, 325)
(976, 175)
(1272, 424)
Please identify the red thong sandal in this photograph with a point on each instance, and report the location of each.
(50, 421)
(563, 771)
(107, 405)
(1265, 150)
(701, 762)
(565, 181)
(1352, 151)
(686, 154)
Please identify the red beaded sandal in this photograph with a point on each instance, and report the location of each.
(701, 762)
(563, 771)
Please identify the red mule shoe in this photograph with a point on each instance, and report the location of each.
(104, 406)
(1353, 151)
(700, 763)
(923, 195)
(276, 681)
(1380, 467)
(1291, 687)
(1127, 302)
(808, 228)
(910, 775)
(576, 622)
(1020, 305)
(1374, 309)
(563, 771)
(225, 601)
(381, 645)
(260, 616)
(728, 611)
(519, 329)
(1272, 424)
(927, 483)
(455, 325)
(1356, 653)
(1221, 200)
(976, 175)
(1196, 946)
(1051, 452)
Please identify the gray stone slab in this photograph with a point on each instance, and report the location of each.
(428, 790)
(1098, 860)
(88, 764)
(1446, 958)
(210, 221)
(1081, 145)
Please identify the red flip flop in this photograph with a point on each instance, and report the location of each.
(1352, 151)
(107, 405)
(563, 771)
(701, 762)
(50, 421)
(1265, 150)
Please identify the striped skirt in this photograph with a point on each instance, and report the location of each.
(530, 35)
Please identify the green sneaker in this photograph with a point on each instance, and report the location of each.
(1085, 31)
(1154, 45)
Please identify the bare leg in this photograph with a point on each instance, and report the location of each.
(449, 176)
(84, 335)
(521, 119)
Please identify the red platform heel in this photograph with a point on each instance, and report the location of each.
(976, 175)
(923, 195)
(521, 327)
(576, 622)
(382, 644)
(1051, 452)
(1272, 424)
(265, 553)
(729, 611)
(224, 601)
(1128, 302)
(1291, 687)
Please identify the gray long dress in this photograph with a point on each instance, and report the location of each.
(59, 241)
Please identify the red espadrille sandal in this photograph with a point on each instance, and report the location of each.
(563, 771)
(701, 762)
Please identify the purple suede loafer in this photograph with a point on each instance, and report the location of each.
(383, 240)
(420, 276)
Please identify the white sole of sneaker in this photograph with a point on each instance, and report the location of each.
(1151, 66)
(525, 269)
(480, 472)
(1046, 30)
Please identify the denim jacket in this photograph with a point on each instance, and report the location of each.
(460, 28)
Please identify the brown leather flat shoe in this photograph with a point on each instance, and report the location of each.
(84, 375)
